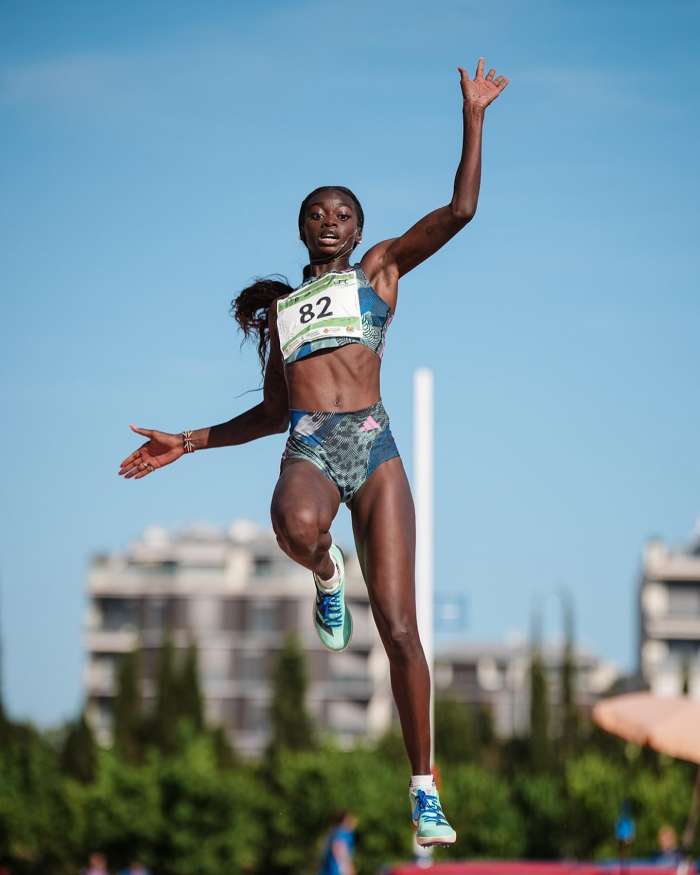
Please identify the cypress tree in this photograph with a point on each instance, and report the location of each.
(128, 720)
(539, 704)
(225, 752)
(569, 714)
(292, 727)
(164, 723)
(191, 705)
(456, 735)
(79, 752)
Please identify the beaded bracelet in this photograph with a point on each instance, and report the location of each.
(187, 441)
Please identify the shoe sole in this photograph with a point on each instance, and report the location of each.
(427, 842)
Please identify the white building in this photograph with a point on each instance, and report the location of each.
(497, 677)
(237, 596)
(669, 618)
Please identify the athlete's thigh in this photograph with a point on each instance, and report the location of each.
(302, 488)
(383, 521)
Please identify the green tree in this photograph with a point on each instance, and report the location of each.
(79, 751)
(128, 717)
(224, 751)
(191, 706)
(329, 780)
(41, 823)
(541, 802)
(463, 733)
(595, 788)
(482, 811)
(540, 754)
(167, 711)
(291, 725)
(123, 809)
(569, 726)
(211, 819)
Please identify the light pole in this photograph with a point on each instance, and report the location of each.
(423, 492)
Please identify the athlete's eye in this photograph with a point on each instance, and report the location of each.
(315, 215)
(343, 217)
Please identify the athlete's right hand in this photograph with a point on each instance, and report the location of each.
(159, 450)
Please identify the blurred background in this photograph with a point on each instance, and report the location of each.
(155, 644)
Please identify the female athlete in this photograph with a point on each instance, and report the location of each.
(320, 346)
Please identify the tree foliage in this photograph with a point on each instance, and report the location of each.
(291, 726)
(193, 806)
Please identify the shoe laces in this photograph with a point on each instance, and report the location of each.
(428, 807)
(330, 608)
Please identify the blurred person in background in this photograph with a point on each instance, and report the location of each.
(320, 347)
(339, 847)
(97, 865)
(669, 853)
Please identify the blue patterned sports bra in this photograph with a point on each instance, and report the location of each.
(330, 311)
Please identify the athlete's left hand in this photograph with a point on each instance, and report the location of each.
(481, 90)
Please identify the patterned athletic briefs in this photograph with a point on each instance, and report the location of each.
(346, 447)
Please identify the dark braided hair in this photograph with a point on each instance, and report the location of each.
(251, 307)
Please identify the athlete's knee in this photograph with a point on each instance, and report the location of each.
(403, 641)
(297, 528)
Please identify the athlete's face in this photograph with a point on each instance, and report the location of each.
(330, 225)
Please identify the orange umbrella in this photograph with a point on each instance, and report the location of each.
(670, 725)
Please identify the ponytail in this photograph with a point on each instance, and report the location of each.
(251, 310)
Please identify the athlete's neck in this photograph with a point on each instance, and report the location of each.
(318, 268)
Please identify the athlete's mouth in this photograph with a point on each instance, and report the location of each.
(329, 236)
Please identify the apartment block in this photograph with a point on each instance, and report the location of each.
(669, 618)
(497, 678)
(237, 596)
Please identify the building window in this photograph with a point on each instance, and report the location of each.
(250, 667)
(684, 601)
(684, 650)
(263, 566)
(216, 665)
(262, 617)
(118, 615)
(168, 566)
(255, 717)
(154, 614)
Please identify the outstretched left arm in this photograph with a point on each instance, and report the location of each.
(391, 259)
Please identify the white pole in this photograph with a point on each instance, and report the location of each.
(423, 488)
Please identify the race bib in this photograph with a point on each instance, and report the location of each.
(327, 307)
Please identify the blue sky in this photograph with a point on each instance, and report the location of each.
(153, 160)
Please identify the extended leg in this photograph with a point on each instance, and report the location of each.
(384, 526)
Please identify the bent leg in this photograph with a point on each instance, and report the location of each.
(383, 521)
(304, 505)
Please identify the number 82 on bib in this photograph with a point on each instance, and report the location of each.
(329, 307)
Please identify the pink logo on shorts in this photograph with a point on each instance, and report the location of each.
(369, 424)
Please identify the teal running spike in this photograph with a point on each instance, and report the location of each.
(332, 618)
(428, 818)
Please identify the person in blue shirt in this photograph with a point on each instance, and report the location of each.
(339, 847)
(669, 853)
